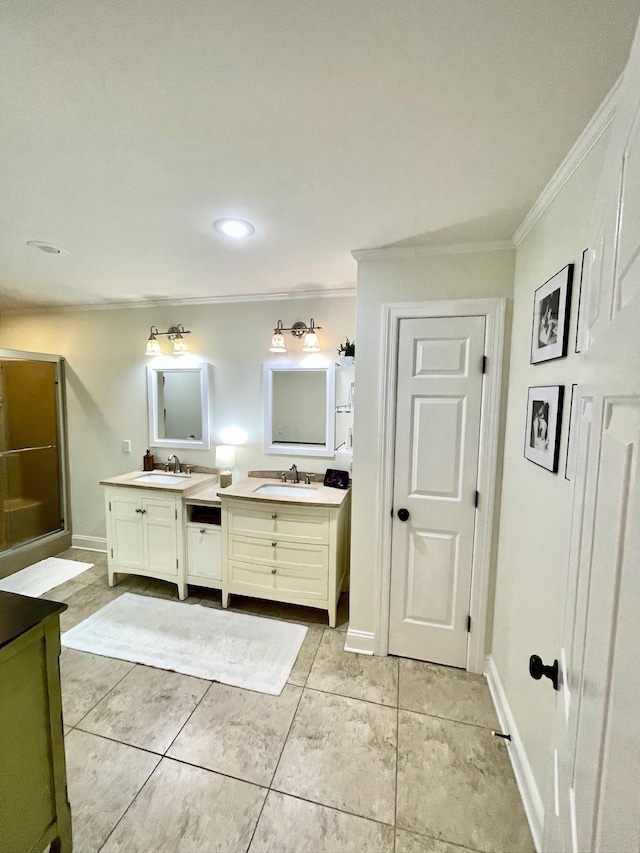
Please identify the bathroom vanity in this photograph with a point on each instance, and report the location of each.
(285, 542)
(260, 537)
(146, 528)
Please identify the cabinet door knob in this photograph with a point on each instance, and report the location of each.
(273, 544)
(138, 509)
(143, 512)
(202, 530)
(275, 515)
(273, 571)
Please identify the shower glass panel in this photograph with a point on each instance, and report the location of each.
(30, 458)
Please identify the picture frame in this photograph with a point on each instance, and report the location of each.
(551, 309)
(579, 321)
(543, 422)
(570, 464)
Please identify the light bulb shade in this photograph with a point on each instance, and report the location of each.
(153, 346)
(225, 456)
(180, 346)
(311, 342)
(277, 343)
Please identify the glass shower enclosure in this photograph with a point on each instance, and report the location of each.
(32, 482)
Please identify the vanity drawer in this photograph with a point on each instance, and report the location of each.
(311, 559)
(272, 582)
(280, 521)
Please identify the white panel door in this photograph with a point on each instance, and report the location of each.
(126, 529)
(595, 799)
(439, 391)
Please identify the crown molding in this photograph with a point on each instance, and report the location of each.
(173, 302)
(599, 124)
(400, 253)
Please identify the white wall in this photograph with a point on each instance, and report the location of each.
(107, 391)
(536, 504)
(409, 279)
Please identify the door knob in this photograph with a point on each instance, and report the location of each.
(403, 514)
(537, 669)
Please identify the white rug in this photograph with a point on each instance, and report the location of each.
(219, 645)
(43, 576)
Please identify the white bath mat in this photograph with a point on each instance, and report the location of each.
(43, 576)
(219, 645)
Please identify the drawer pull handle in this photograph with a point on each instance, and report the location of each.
(273, 571)
(275, 515)
(273, 544)
(202, 530)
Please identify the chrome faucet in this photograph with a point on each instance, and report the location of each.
(176, 463)
(295, 478)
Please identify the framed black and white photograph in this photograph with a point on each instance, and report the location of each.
(579, 321)
(570, 466)
(544, 416)
(551, 305)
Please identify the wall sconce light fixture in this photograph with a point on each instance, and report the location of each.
(174, 333)
(298, 330)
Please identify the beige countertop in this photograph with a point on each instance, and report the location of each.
(184, 486)
(315, 494)
(206, 495)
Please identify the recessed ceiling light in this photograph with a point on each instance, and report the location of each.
(234, 227)
(49, 248)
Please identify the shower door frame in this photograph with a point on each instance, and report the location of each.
(39, 543)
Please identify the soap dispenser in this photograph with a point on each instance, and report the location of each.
(147, 461)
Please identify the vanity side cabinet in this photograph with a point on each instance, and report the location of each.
(144, 535)
(286, 552)
(34, 806)
(203, 543)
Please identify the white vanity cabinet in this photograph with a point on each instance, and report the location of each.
(144, 534)
(203, 543)
(285, 552)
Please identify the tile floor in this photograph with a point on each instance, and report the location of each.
(357, 754)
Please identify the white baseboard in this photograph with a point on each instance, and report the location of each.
(362, 642)
(522, 769)
(89, 543)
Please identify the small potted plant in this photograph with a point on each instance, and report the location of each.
(347, 352)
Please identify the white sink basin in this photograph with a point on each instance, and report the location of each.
(286, 491)
(161, 479)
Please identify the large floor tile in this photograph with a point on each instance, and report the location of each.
(147, 708)
(238, 732)
(374, 679)
(65, 590)
(86, 679)
(411, 842)
(103, 777)
(455, 783)
(290, 825)
(306, 655)
(341, 753)
(83, 603)
(184, 809)
(446, 692)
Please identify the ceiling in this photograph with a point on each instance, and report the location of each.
(130, 126)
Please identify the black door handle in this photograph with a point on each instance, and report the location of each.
(403, 514)
(537, 669)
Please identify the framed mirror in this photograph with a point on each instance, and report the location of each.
(299, 404)
(178, 402)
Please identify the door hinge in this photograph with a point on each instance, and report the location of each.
(469, 624)
(391, 512)
(484, 364)
(176, 513)
(476, 499)
(112, 552)
(176, 562)
(109, 506)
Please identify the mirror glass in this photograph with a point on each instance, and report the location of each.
(299, 408)
(179, 406)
